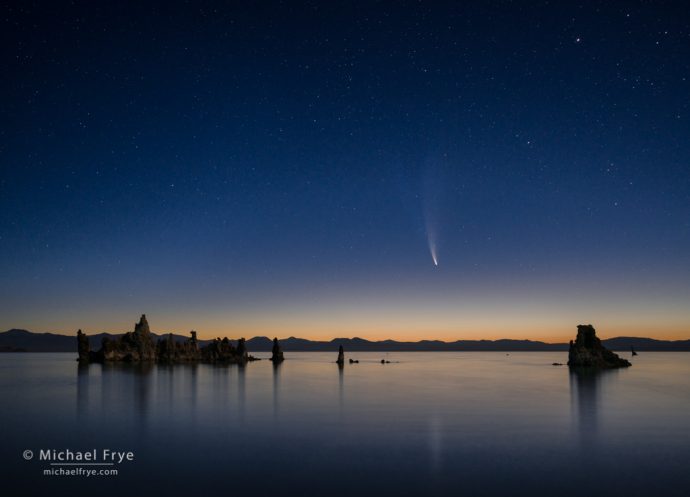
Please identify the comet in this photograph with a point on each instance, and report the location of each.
(431, 240)
(434, 184)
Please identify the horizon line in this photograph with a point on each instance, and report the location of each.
(327, 340)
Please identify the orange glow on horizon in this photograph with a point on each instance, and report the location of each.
(412, 321)
(547, 335)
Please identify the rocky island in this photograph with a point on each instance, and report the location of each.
(139, 346)
(588, 352)
(277, 352)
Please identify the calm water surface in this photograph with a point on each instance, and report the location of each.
(428, 424)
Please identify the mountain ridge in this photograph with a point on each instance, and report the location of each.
(16, 340)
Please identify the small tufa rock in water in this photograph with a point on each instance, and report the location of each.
(277, 353)
(341, 356)
(588, 352)
(354, 361)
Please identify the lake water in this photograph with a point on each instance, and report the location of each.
(427, 424)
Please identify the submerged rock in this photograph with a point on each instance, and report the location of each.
(341, 356)
(588, 352)
(276, 353)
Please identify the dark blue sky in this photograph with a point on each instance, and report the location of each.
(283, 169)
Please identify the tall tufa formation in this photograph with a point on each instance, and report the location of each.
(276, 353)
(142, 327)
(242, 350)
(588, 352)
(83, 347)
(139, 346)
(133, 346)
(341, 356)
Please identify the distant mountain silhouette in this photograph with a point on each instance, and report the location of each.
(647, 344)
(14, 340)
(37, 342)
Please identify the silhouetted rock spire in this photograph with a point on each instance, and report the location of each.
(276, 353)
(142, 327)
(341, 356)
(83, 347)
(242, 349)
(588, 352)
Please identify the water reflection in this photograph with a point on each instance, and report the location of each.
(141, 380)
(135, 391)
(220, 392)
(165, 384)
(587, 389)
(241, 392)
(276, 388)
(194, 388)
(435, 443)
(427, 425)
(341, 388)
(82, 389)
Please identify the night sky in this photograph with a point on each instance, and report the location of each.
(284, 170)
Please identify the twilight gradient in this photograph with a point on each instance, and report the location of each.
(284, 170)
